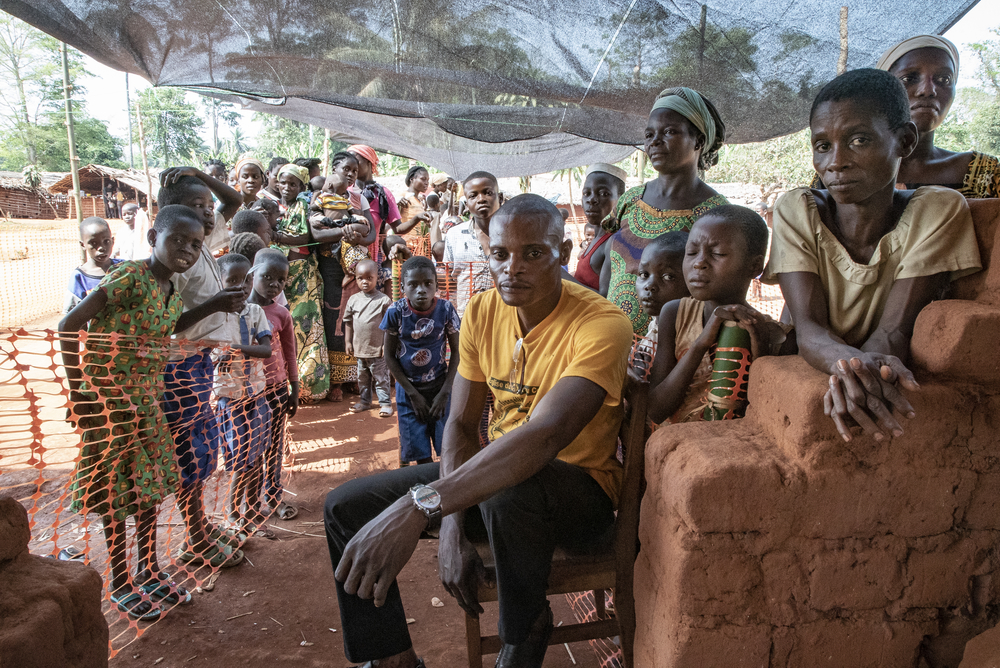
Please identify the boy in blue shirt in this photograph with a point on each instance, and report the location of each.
(416, 328)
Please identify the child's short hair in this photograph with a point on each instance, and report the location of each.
(128, 204)
(246, 244)
(264, 204)
(170, 214)
(179, 191)
(877, 90)
(215, 162)
(316, 183)
(93, 221)
(366, 261)
(247, 220)
(670, 244)
(271, 256)
(482, 175)
(275, 163)
(747, 221)
(233, 259)
(415, 263)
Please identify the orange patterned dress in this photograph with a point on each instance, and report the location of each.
(127, 459)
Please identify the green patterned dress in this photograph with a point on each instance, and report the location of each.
(635, 224)
(304, 292)
(127, 460)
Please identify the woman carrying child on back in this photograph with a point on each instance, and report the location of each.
(127, 465)
(858, 261)
(683, 135)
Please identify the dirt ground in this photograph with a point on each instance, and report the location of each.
(286, 585)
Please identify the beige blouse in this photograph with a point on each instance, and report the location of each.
(933, 235)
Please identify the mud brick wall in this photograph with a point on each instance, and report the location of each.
(771, 542)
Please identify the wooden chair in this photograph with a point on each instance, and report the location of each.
(610, 567)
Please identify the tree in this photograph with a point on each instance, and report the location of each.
(974, 120)
(219, 112)
(773, 165)
(32, 129)
(290, 139)
(171, 126)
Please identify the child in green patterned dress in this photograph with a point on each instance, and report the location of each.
(127, 463)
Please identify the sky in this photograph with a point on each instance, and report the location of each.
(106, 97)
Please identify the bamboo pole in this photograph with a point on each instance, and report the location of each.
(145, 165)
(842, 61)
(74, 160)
(326, 152)
(128, 105)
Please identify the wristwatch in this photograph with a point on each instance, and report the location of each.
(428, 501)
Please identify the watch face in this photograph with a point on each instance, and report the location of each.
(426, 497)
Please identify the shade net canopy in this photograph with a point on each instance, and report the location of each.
(514, 87)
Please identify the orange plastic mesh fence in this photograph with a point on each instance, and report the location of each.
(37, 258)
(118, 459)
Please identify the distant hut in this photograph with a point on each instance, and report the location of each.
(19, 200)
(105, 189)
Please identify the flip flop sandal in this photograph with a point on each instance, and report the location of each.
(216, 555)
(360, 407)
(264, 532)
(162, 589)
(286, 511)
(72, 554)
(231, 537)
(136, 607)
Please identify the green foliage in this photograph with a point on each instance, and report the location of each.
(973, 123)
(31, 176)
(171, 126)
(776, 164)
(32, 106)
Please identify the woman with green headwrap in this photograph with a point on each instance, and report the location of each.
(304, 288)
(683, 135)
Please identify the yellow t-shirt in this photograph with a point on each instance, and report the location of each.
(934, 235)
(585, 336)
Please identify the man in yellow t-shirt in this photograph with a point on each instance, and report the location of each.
(554, 355)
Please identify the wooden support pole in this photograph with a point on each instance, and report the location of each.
(74, 160)
(145, 166)
(842, 61)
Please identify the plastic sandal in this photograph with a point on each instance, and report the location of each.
(217, 555)
(72, 554)
(161, 589)
(231, 537)
(131, 603)
(286, 511)
(360, 407)
(385, 411)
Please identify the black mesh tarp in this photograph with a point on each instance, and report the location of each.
(516, 87)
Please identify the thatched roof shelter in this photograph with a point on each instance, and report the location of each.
(94, 177)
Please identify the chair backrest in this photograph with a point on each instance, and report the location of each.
(633, 434)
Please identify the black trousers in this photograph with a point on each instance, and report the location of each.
(560, 505)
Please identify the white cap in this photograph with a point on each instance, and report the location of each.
(616, 172)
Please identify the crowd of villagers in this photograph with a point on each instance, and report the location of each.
(882, 231)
